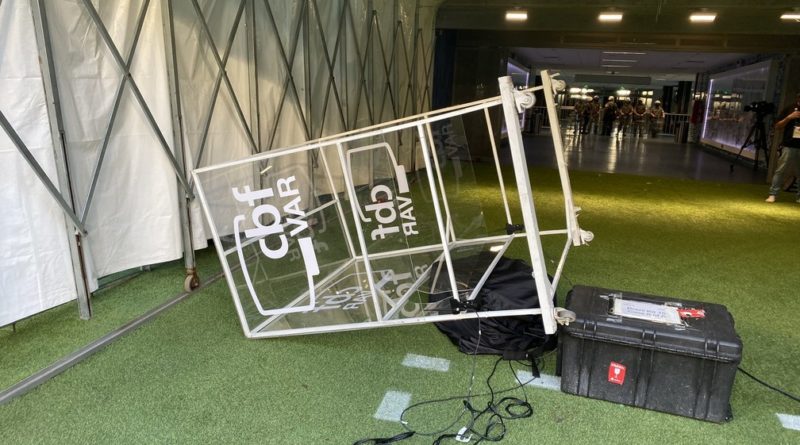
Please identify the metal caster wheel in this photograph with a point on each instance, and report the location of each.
(191, 282)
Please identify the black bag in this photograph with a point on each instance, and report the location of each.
(510, 286)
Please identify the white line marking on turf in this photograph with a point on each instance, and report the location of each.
(429, 363)
(544, 381)
(393, 405)
(789, 421)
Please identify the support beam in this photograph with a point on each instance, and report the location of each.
(74, 239)
(192, 280)
(37, 169)
(134, 87)
(217, 82)
(288, 63)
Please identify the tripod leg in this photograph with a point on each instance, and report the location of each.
(748, 141)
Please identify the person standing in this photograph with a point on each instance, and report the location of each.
(594, 115)
(578, 109)
(789, 122)
(656, 116)
(639, 112)
(625, 115)
(609, 113)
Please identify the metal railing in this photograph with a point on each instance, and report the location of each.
(672, 121)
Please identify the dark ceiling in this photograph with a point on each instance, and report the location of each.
(744, 26)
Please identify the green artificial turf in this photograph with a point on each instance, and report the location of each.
(191, 376)
(44, 338)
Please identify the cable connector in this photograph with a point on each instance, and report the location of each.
(462, 435)
(514, 228)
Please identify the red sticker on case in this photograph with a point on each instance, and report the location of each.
(616, 373)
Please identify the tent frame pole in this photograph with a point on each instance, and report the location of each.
(134, 88)
(192, 280)
(75, 232)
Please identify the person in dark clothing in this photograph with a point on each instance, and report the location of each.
(609, 114)
(789, 122)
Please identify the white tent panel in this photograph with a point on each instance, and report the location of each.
(133, 218)
(35, 266)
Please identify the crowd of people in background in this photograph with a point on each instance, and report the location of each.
(635, 119)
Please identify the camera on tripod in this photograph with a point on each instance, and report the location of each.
(761, 108)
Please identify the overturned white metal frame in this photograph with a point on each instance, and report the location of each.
(512, 102)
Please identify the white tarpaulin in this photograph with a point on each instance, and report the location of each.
(296, 70)
(133, 218)
(35, 266)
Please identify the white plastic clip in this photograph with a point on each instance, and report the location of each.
(462, 437)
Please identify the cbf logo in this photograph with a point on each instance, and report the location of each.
(392, 212)
(272, 237)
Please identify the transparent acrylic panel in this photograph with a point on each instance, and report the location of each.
(393, 199)
(278, 229)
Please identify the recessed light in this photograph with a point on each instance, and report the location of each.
(619, 60)
(703, 17)
(610, 17)
(516, 16)
(626, 53)
(615, 66)
(794, 15)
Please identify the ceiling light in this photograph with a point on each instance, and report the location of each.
(615, 66)
(619, 60)
(610, 17)
(627, 53)
(516, 16)
(794, 15)
(702, 17)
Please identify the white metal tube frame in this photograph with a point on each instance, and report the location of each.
(511, 101)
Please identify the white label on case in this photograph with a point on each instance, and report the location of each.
(641, 310)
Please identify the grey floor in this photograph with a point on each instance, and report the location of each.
(659, 156)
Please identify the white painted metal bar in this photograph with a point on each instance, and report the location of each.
(223, 260)
(451, 233)
(490, 269)
(335, 196)
(378, 129)
(435, 200)
(414, 286)
(351, 191)
(566, 186)
(490, 131)
(543, 287)
(357, 134)
(395, 322)
(561, 262)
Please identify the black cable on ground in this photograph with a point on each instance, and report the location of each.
(496, 413)
(778, 390)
